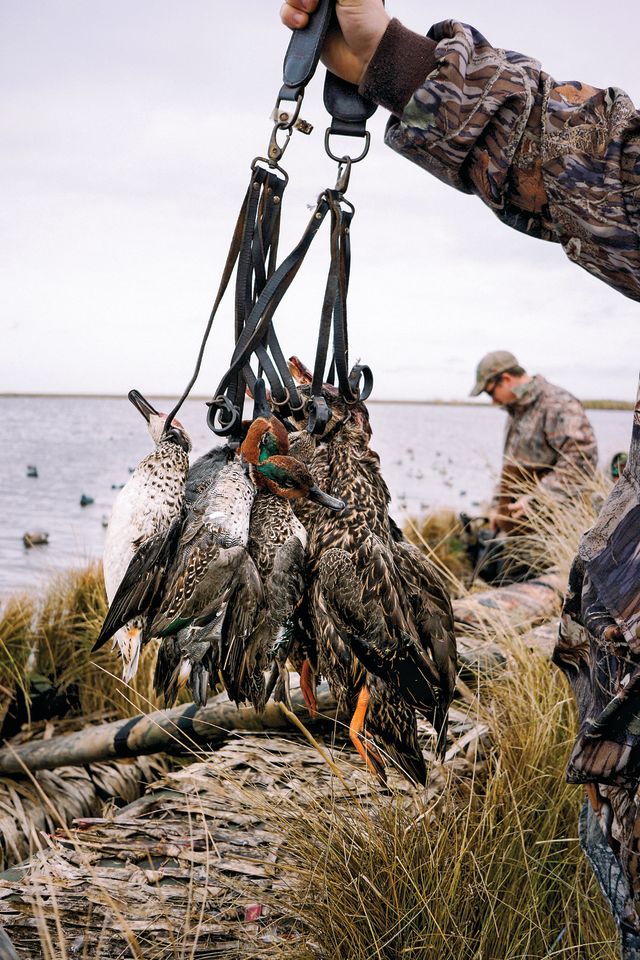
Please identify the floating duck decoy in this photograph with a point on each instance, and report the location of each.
(85, 500)
(143, 514)
(35, 538)
(32, 471)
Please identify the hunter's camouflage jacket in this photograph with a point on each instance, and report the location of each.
(549, 434)
(557, 160)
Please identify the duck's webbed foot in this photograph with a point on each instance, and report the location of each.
(278, 681)
(308, 688)
(364, 747)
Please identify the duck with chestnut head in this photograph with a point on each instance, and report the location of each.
(277, 544)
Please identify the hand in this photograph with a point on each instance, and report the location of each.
(349, 48)
(494, 520)
(518, 510)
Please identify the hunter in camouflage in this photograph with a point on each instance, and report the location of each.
(559, 161)
(599, 650)
(549, 441)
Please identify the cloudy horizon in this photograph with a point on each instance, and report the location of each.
(128, 134)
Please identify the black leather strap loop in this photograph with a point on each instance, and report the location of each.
(359, 372)
(303, 53)
(218, 407)
(349, 111)
(319, 415)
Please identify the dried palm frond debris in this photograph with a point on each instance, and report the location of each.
(46, 801)
(203, 851)
(268, 850)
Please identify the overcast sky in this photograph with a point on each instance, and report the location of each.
(127, 133)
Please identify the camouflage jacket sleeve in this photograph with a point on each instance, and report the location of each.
(559, 161)
(568, 432)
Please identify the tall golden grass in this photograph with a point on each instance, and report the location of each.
(51, 639)
(488, 869)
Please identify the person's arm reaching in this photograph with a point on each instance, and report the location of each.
(559, 161)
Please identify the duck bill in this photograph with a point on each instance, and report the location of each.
(298, 370)
(324, 499)
(142, 406)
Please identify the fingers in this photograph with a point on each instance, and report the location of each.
(296, 13)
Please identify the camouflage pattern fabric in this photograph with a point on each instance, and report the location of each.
(598, 648)
(548, 435)
(610, 877)
(559, 161)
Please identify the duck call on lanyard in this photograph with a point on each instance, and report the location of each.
(260, 285)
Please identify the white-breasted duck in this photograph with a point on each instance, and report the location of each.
(144, 510)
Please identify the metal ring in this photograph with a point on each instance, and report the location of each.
(365, 150)
(289, 123)
(282, 403)
(217, 407)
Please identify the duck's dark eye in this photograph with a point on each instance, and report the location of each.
(268, 446)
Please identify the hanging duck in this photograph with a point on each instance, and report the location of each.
(370, 609)
(277, 542)
(143, 512)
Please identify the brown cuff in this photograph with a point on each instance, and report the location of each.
(402, 61)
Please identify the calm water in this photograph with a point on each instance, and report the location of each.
(431, 456)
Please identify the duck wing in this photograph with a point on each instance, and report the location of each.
(433, 617)
(392, 725)
(242, 665)
(197, 585)
(141, 582)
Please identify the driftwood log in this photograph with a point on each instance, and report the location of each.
(176, 730)
(520, 604)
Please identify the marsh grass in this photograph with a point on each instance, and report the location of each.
(51, 640)
(441, 536)
(488, 869)
(17, 647)
(554, 527)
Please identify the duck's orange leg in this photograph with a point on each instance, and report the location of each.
(356, 728)
(308, 688)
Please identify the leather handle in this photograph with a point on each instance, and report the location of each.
(303, 52)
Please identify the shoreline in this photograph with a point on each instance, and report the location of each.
(593, 404)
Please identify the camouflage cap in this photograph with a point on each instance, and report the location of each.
(491, 366)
